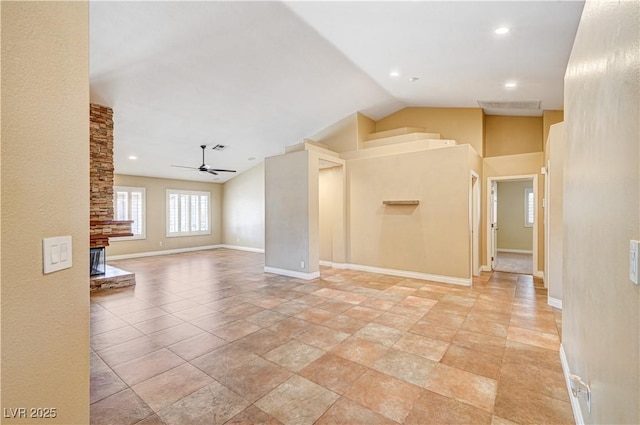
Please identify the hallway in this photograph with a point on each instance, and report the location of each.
(208, 337)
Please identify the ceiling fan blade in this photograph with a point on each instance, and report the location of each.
(183, 166)
(212, 172)
(226, 171)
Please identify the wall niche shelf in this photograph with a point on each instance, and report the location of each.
(411, 202)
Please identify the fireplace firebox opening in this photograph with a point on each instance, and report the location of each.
(97, 260)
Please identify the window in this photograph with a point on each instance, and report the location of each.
(529, 207)
(187, 213)
(129, 204)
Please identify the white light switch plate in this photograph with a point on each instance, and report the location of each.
(633, 261)
(56, 253)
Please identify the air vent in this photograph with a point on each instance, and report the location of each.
(219, 147)
(520, 104)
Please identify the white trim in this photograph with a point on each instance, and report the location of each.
(516, 251)
(292, 273)
(341, 266)
(412, 275)
(485, 268)
(554, 302)
(539, 273)
(242, 248)
(575, 404)
(401, 273)
(163, 252)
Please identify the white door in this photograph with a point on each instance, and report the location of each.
(494, 223)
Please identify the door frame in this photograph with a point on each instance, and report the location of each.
(490, 181)
(475, 226)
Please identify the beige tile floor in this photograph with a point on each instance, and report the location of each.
(209, 338)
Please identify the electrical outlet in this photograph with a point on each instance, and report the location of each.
(302, 264)
(633, 261)
(160, 243)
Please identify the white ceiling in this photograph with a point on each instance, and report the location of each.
(259, 76)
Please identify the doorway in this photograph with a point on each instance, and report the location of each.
(331, 214)
(512, 225)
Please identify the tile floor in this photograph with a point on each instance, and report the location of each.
(208, 338)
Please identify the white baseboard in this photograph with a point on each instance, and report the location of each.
(342, 266)
(412, 275)
(516, 251)
(538, 273)
(163, 252)
(554, 302)
(242, 248)
(292, 273)
(575, 404)
(484, 268)
(180, 250)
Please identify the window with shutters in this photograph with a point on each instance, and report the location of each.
(129, 204)
(187, 213)
(529, 206)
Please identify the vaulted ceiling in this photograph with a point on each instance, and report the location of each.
(259, 76)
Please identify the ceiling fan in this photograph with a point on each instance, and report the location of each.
(206, 168)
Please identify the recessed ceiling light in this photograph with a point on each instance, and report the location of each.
(510, 85)
(413, 79)
(394, 74)
(252, 158)
(502, 30)
(133, 157)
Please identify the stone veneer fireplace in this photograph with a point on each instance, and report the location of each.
(101, 222)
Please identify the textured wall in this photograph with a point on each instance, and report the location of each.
(289, 205)
(601, 307)
(505, 135)
(45, 193)
(430, 238)
(243, 209)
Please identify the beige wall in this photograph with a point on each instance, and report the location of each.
(45, 120)
(431, 238)
(506, 135)
(513, 165)
(291, 212)
(553, 210)
(461, 124)
(243, 209)
(550, 118)
(331, 215)
(512, 233)
(156, 213)
(341, 136)
(601, 307)
(366, 126)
